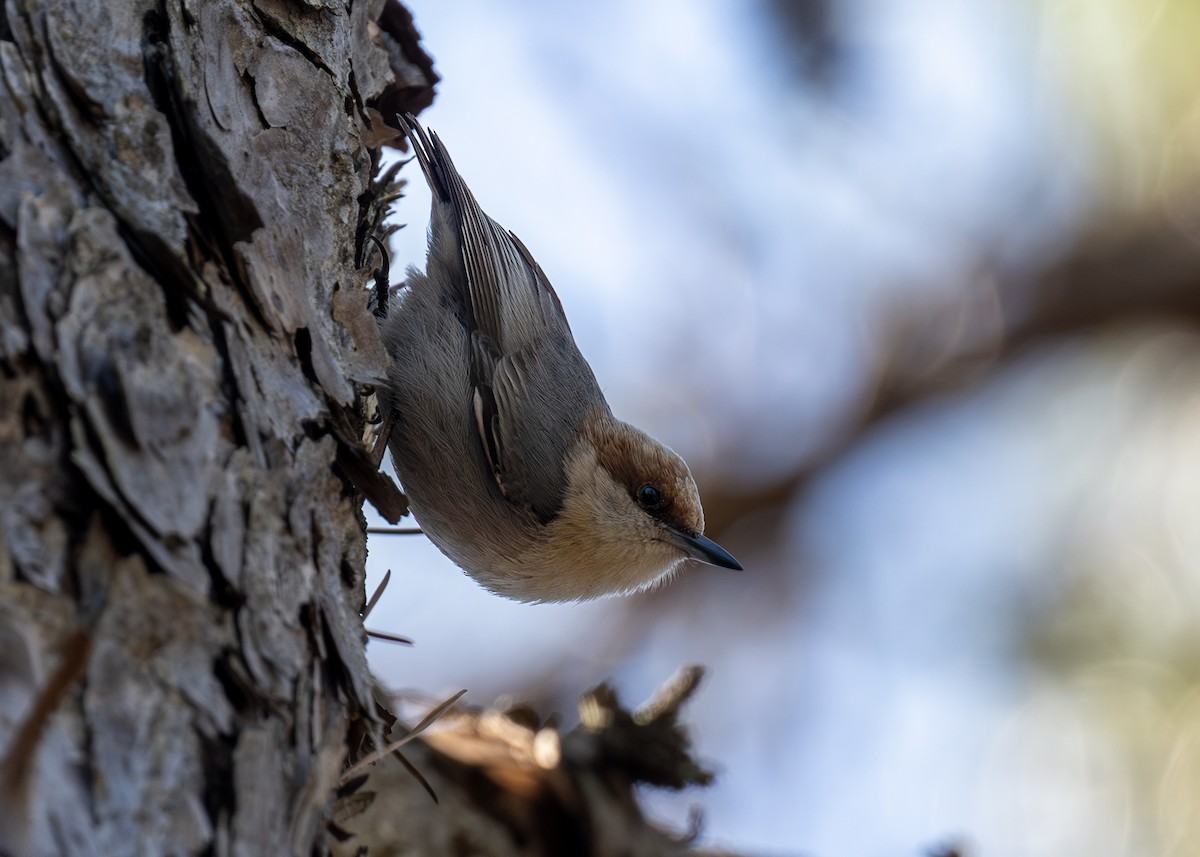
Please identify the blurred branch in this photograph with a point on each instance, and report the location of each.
(816, 48)
(1122, 273)
(1133, 272)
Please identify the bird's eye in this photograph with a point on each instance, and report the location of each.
(649, 497)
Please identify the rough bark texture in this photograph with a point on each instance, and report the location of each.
(183, 190)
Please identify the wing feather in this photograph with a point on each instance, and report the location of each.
(531, 387)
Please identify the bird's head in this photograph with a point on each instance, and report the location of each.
(632, 508)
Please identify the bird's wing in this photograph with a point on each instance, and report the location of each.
(528, 413)
(531, 387)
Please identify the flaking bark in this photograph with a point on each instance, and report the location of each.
(184, 338)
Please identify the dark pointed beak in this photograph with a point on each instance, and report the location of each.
(704, 549)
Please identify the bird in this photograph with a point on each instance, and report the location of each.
(512, 461)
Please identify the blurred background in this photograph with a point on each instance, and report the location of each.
(915, 289)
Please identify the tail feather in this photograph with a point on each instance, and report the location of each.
(504, 290)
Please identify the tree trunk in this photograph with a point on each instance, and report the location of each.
(183, 335)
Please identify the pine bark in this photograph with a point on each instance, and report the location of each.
(184, 340)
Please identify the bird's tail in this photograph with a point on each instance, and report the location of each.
(433, 158)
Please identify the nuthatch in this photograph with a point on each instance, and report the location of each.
(512, 461)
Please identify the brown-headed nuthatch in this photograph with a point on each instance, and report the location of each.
(512, 461)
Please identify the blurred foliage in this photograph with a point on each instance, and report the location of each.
(1131, 67)
(1123, 641)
